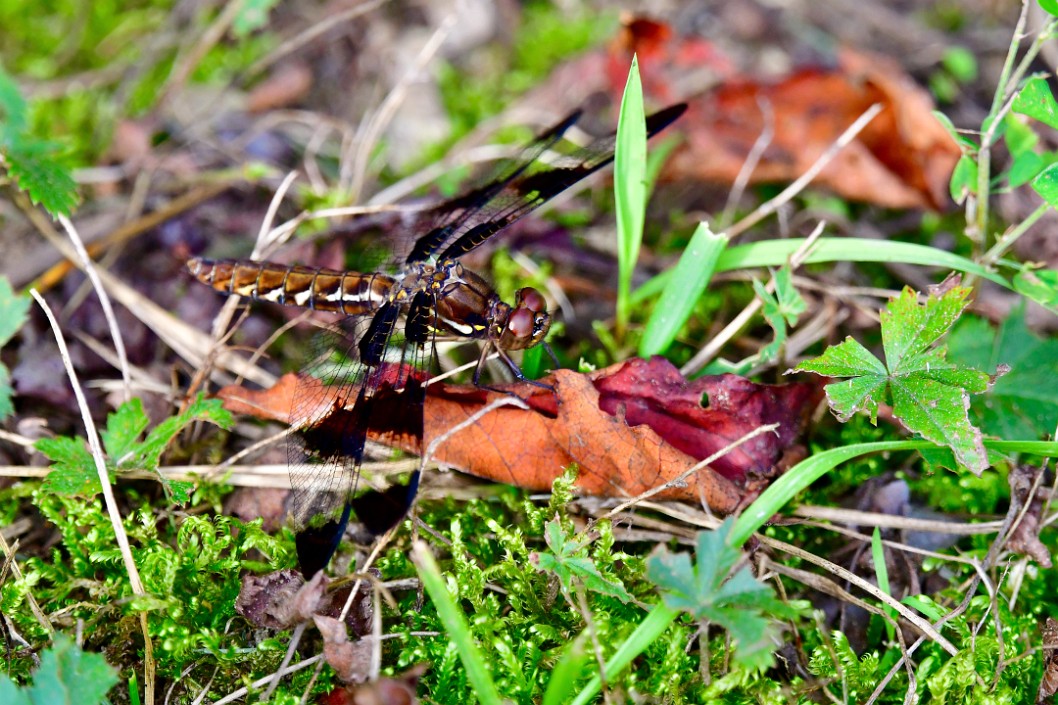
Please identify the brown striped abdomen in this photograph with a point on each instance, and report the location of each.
(351, 293)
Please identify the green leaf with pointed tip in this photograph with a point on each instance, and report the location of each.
(1039, 285)
(1036, 100)
(689, 279)
(13, 311)
(963, 178)
(35, 167)
(123, 430)
(201, 409)
(569, 560)
(1046, 185)
(930, 395)
(1023, 403)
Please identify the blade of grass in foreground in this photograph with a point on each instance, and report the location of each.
(455, 624)
(629, 183)
(800, 476)
(774, 253)
(689, 279)
(648, 631)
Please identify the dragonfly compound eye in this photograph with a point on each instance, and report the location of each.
(531, 299)
(520, 324)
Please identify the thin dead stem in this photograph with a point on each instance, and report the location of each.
(88, 267)
(108, 494)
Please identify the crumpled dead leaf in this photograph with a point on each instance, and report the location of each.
(629, 428)
(351, 660)
(282, 599)
(903, 159)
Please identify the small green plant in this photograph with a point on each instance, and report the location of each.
(712, 591)
(74, 472)
(67, 676)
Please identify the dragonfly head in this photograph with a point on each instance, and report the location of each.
(527, 323)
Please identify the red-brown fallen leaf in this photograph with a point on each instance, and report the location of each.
(399, 690)
(630, 428)
(903, 159)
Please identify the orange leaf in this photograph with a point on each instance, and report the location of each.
(629, 428)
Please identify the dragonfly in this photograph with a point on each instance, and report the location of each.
(374, 380)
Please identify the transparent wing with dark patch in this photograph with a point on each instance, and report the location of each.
(495, 207)
(451, 217)
(367, 381)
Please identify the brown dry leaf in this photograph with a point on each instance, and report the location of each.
(903, 159)
(1025, 538)
(629, 428)
(281, 599)
(351, 660)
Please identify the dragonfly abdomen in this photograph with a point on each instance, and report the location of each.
(351, 293)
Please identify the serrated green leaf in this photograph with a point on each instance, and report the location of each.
(930, 395)
(73, 472)
(14, 310)
(124, 427)
(738, 603)
(1036, 100)
(201, 409)
(846, 359)
(34, 166)
(66, 676)
(909, 328)
(69, 675)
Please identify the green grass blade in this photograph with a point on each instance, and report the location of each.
(774, 253)
(630, 173)
(455, 624)
(800, 476)
(570, 666)
(689, 279)
(637, 642)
